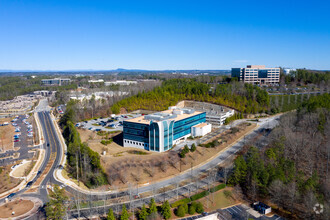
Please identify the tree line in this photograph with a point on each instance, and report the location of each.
(83, 163)
(243, 97)
(293, 170)
(15, 86)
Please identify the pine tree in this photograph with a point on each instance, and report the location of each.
(166, 210)
(111, 216)
(180, 212)
(193, 147)
(152, 206)
(143, 213)
(124, 214)
(55, 208)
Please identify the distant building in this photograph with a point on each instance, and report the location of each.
(162, 130)
(55, 82)
(96, 81)
(120, 82)
(288, 70)
(257, 74)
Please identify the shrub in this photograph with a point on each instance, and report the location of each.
(199, 195)
(218, 187)
(199, 208)
(180, 212)
(180, 202)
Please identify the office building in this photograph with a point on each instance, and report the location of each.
(120, 82)
(55, 82)
(257, 74)
(162, 130)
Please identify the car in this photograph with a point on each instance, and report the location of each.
(204, 213)
(11, 195)
(38, 173)
(90, 128)
(29, 184)
(97, 129)
(16, 140)
(86, 121)
(110, 120)
(47, 144)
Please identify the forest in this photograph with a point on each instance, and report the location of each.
(83, 163)
(303, 76)
(292, 172)
(242, 97)
(14, 86)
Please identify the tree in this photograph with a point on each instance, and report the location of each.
(186, 148)
(166, 210)
(199, 207)
(110, 215)
(143, 213)
(152, 206)
(180, 212)
(55, 208)
(124, 214)
(193, 147)
(191, 210)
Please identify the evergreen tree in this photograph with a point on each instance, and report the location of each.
(191, 210)
(193, 147)
(143, 213)
(110, 215)
(166, 210)
(199, 207)
(55, 208)
(124, 214)
(152, 206)
(180, 212)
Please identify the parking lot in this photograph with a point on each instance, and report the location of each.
(237, 212)
(23, 140)
(106, 124)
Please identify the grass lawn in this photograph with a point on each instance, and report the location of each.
(220, 200)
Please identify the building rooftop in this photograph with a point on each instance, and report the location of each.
(175, 114)
(200, 125)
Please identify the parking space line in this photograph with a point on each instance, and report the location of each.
(236, 208)
(222, 216)
(233, 210)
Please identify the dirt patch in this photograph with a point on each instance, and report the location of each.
(6, 135)
(7, 182)
(22, 170)
(123, 168)
(18, 206)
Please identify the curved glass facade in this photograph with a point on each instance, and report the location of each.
(160, 135)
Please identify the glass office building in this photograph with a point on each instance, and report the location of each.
(162, 130)
(257, 74)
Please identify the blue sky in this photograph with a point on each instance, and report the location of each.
(159, 34)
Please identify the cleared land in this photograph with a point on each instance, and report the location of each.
(131, 165)
(7, 182)
(18, 206)
(6, 135)
(219, 200)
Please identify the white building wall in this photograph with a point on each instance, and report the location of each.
(135, 144)
(201, 131)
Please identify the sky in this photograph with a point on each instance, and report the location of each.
(163, 34)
